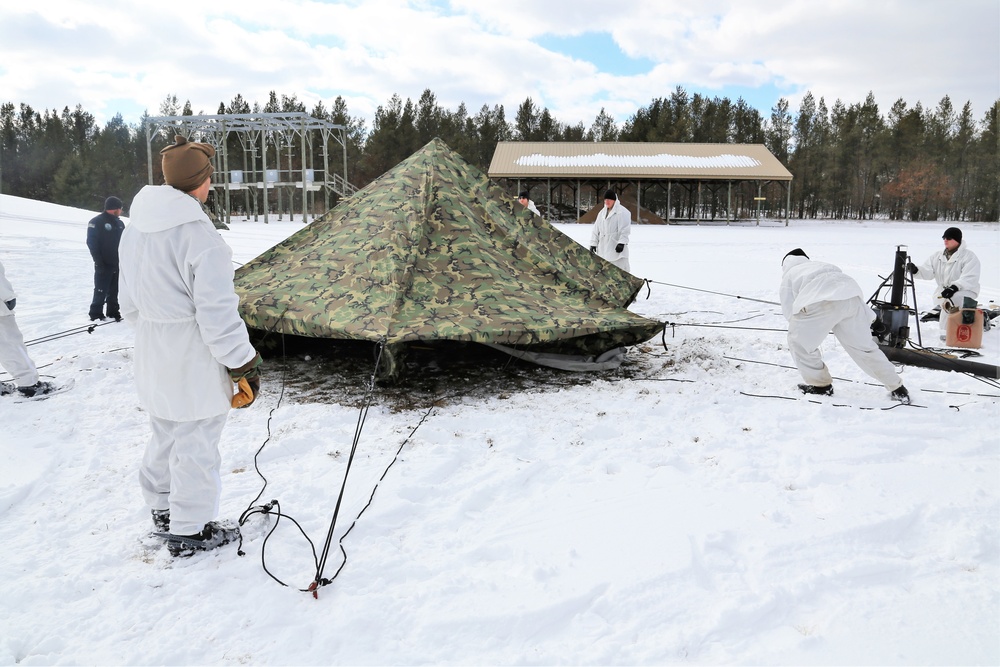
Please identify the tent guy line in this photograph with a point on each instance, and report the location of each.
(697, 289)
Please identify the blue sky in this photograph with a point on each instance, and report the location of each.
(574, 57)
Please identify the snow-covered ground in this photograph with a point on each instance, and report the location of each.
(658, 514)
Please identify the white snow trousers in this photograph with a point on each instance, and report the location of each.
(180, 471)
(850, 322)
(14, 355)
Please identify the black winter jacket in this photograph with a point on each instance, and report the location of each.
(103, 234)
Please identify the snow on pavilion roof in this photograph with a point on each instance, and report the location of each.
(546, 159)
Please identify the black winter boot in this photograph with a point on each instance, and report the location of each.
(825, 390)
(161, 520)
(213, 536)
(900, 394)
(37, 389)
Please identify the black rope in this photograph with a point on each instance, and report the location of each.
(318, 580)
(836, 405)
(722, 326)
(86, 328)
(661, 380)
(268, 509)
(372, 497)
(708, 291)
(990, 382)
(870, 384)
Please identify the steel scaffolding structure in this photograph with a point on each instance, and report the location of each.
(257, 133)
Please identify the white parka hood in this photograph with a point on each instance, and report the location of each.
(806, 282)
(791, 261)
(160, 207)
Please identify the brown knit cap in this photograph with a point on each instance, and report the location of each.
(187, 164)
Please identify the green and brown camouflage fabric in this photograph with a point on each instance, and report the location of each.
(432, 251)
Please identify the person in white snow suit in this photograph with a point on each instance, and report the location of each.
(816, 298)
(190, 346)
(13, 354)
(609, 238)
(955, 269)
(104, 232)
(527, 203)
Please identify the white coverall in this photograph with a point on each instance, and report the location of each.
(611, 228)
(961, 269)
(176, 289)
(13, 354)
(816, 298)
(531, 207)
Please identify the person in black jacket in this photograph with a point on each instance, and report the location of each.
(103, 234)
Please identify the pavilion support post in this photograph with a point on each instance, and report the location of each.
(326, 169)
(343, 145)
(149, 155)
(697, 213)
(729, 202)
(668, 201)
(788, 201)
(638, 201)
(225, 170)
(758, 203)
(263, 170)
(305, 185)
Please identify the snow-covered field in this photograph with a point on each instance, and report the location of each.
(652, 515)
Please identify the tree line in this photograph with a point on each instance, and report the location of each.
(848, 161)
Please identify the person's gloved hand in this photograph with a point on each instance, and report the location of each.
(10, 304)
(593, 248)
(619, 247)
(911, 267)
(949, 291)
(247, 379)
(247, 390)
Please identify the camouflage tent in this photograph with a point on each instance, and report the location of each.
(432, 250)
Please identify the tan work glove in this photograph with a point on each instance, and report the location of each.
(247, 379)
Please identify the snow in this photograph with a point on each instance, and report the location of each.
(725, 160)
(651, 515)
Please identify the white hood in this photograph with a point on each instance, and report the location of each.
(160, 207)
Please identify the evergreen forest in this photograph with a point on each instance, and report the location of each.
(849, 160)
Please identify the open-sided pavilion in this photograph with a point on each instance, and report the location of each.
(677, 181)
(277, 152)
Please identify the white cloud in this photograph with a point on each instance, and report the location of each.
(103, 53)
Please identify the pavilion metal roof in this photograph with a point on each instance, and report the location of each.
(635, 160)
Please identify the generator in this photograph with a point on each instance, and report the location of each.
(892, 318)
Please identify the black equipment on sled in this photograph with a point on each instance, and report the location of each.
(892, 329)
